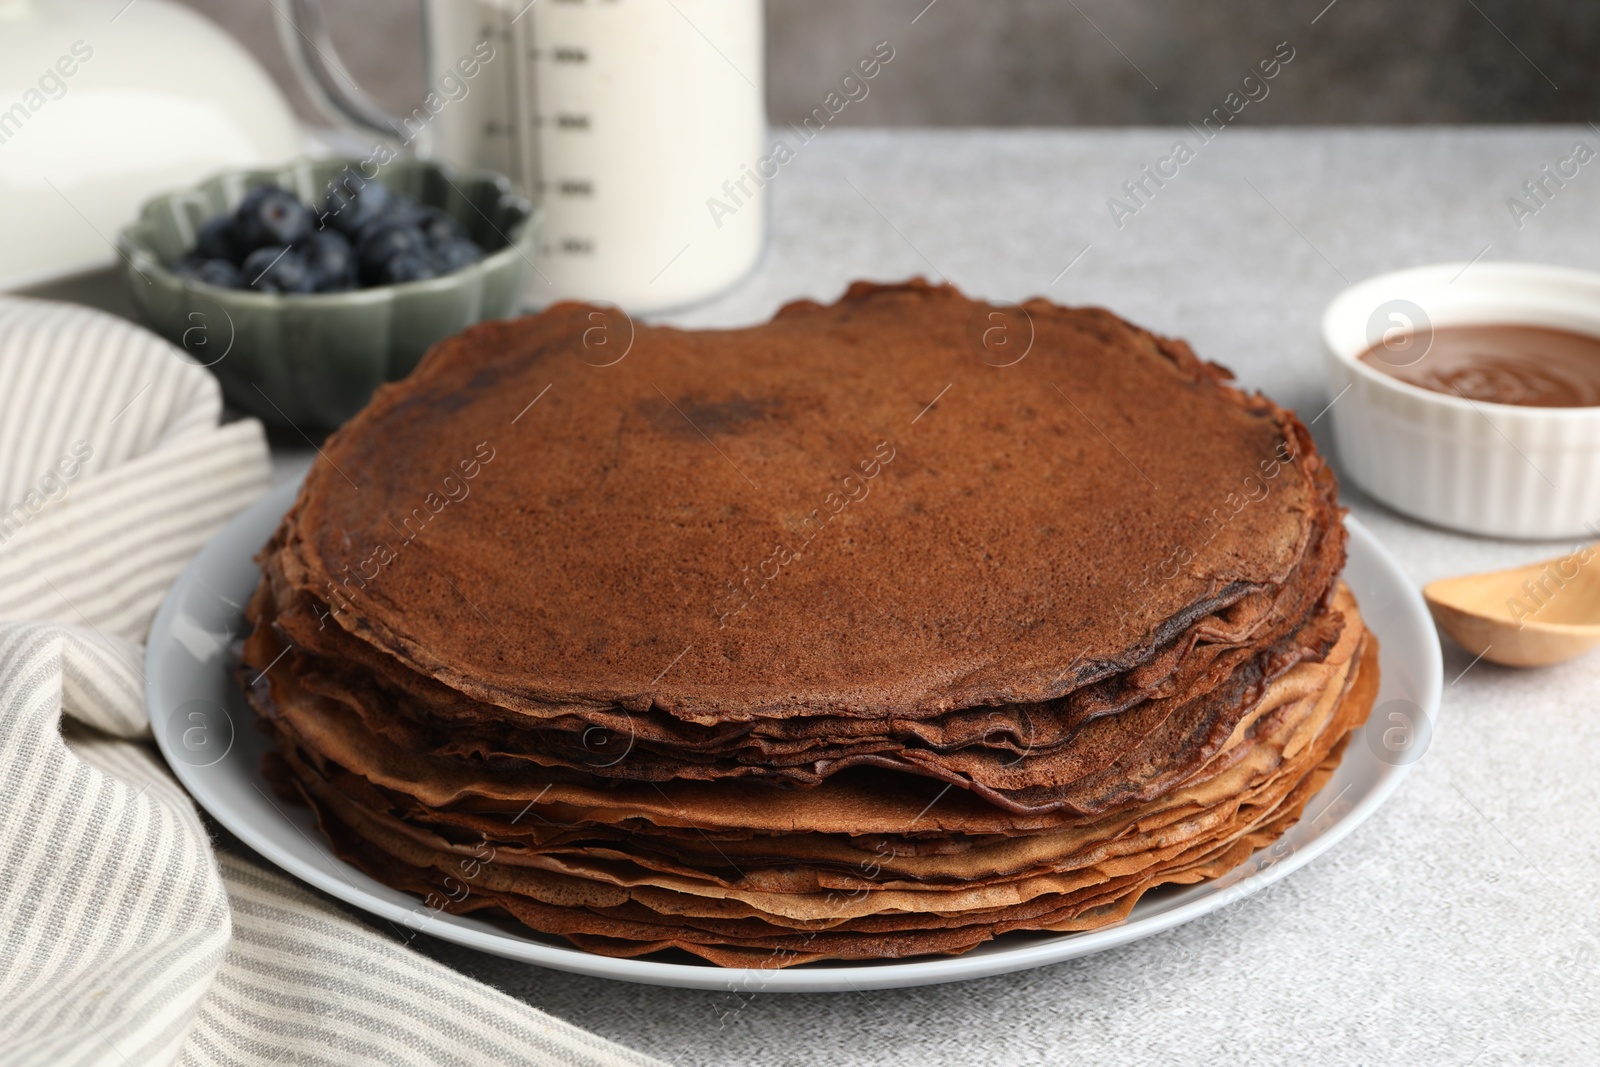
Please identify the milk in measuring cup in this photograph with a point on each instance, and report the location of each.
(624, 119)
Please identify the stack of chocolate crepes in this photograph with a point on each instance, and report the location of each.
(880, 629)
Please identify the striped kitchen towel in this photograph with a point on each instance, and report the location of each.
(124, 938)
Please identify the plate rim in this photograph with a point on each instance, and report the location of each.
(810, 978)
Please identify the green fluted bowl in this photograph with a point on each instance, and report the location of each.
(313, 360)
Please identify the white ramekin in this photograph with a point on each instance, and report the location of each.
(1496, 469)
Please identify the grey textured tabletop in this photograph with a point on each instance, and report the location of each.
(1458, 925)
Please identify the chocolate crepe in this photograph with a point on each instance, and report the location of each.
(828, 622)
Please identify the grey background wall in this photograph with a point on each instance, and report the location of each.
(1103, 62)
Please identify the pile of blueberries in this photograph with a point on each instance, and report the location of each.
(365, 235)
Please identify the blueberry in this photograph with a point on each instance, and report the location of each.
(218, 272)
(255, 194)
(274, 217)
(400, 210)
(353, 202)
(215, 239)
(400, 206)
(405, 267)
(329, 256)
(381, 243)
(445, 229)
(276, 269)
(435, 223)
(455, 254)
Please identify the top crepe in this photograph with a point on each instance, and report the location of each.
(877, 508)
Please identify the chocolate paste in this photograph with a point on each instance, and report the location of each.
(1534, 366)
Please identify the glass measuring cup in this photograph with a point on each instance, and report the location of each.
(637, 124)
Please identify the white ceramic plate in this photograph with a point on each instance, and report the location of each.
(207, 733)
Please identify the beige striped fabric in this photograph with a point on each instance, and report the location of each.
(124, 938)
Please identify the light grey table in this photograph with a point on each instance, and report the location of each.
(1461, 924)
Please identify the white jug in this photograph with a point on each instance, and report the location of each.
(104, 104)
(636, 124)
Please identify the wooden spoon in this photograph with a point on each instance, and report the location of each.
(1524, 617)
